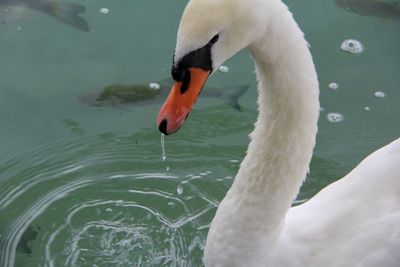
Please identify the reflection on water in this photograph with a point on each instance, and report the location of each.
(83, 186)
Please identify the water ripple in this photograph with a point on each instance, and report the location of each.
(108, 200)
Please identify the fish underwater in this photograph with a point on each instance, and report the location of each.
(142, 94)
(66, 12)
(376, 8)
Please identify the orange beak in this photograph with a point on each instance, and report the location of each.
(180, 101)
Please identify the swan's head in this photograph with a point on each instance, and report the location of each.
(210, 32)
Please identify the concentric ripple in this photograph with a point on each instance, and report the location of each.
(107, 200)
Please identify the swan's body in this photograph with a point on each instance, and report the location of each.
(343, 225)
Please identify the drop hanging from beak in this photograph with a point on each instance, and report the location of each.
(181, 100)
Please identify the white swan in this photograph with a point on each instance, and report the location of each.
(352, 222)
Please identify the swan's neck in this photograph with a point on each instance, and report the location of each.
(281, 144)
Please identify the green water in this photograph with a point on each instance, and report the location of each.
(86, 186)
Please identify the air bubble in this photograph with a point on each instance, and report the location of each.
(367, 108)
(104, 11)
(333, 86)
(223, 69)
(352, 46)
(179, 190)
(335, 117)
(154, 86)
(379, 94)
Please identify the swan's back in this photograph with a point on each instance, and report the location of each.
(354, 221)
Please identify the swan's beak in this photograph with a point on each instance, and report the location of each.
(180, 101)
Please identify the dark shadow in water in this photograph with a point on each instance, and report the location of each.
(121, 95)
(25, 243)
(375, 8)
(67, 13)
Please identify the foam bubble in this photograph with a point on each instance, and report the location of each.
(379, 94)
(334, 117)
(104, 11)
(154, 86)
(179, 190)
(333, 86)
(223, 69)
(352, 46)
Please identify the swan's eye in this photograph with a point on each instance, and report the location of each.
(185, 81)
(213, 40)
(177, 73)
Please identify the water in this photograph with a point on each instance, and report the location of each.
(86, 186)
(163, 153)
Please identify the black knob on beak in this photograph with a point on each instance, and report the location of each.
(163, 126)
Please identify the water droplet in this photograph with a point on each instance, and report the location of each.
(154, 86)
(379, 94)
(334, 117)
(367, 108)
(179, 190)
(104, 11)
(19, 29)
(352, 46)
(163, 154)
(333, 86)
(223, 69)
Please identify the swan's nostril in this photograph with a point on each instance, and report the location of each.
(163, 126)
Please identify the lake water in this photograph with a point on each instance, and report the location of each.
(87, 186)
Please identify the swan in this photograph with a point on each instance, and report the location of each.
(354, 221)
